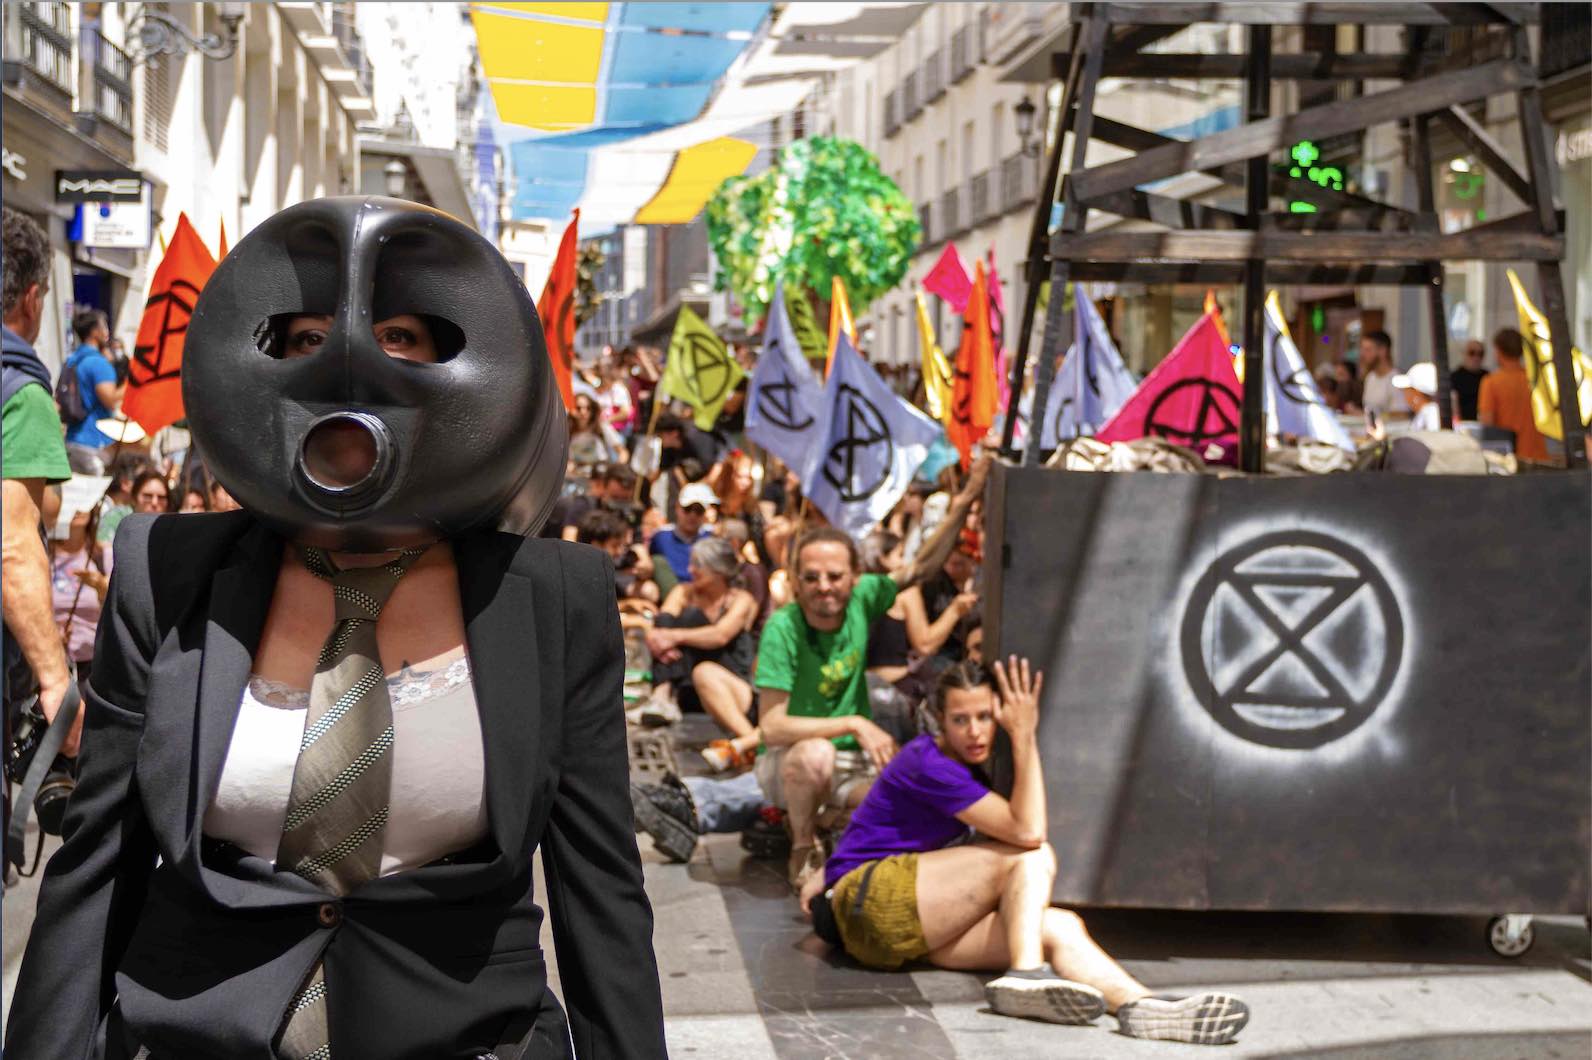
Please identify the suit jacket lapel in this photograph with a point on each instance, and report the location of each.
(504, 641)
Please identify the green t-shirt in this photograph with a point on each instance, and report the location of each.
(825, 673)
(31, 445)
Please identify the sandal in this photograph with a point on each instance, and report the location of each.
(723, 757)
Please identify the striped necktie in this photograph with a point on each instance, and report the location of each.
(337, 811)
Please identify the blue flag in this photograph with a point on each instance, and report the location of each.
(1294, 404)
(1092, 383)
(869, 444)
(784, 398)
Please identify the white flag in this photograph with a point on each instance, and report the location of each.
(1294, 404)
(1092, 383)
(870, 443)
(784, 398)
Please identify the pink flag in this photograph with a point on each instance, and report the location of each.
(1193, 398)
(950, 279)
(997, 329)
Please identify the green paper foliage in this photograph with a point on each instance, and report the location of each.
(824, 209)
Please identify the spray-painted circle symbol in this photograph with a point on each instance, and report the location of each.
(860, 460)
(1292, 639)
(1215, 418)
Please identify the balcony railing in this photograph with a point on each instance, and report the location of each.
(113, 82)
(1019, 182)
(962, 61)
(47, 42)
(980, 204)
(911, 106)
(892, 116)
(952, 223)
(934, 77)
(926, 221)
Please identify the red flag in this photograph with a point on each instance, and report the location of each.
(154, 377)
(221, 246)
(556, 307)
(950, 279)
(973, 391)
(1193, 398)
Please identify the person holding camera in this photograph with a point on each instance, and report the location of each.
(34, 456)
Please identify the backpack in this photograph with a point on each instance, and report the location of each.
(69, 395)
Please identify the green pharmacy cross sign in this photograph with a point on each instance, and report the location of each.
(1304, 155)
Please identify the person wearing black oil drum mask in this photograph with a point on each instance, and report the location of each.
(326, 732)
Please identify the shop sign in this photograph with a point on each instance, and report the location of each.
(1573, 145)
(13, 163)
(83, 185)
(117, 225)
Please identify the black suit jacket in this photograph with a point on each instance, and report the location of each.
(197, 955)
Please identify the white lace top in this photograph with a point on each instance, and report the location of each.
(438, 803)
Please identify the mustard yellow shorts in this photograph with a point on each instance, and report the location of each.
(876, 912)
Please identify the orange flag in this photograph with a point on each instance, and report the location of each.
(1214, 308)
(974, 392)
(154, 378)
(221, 246)
(556, 307)
(839, 319)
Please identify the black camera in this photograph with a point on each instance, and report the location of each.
(49, 805)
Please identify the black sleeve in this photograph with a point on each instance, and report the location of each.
(94, 886)
(602, 921)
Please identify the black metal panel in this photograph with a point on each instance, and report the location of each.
(1357, 692)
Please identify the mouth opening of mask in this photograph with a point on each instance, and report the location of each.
(347, 456)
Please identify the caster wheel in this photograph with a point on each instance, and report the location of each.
(1510, 935)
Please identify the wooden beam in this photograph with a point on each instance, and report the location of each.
(1392, 247)
(1132, 38)
(1353, 219)
(1317, 123)
(1232, 272)
(1298, 66)
(1319, 14)
(1165, 210)
(1470, 132)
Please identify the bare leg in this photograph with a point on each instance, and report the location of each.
(805, 774)
(728, 699)
(958, 887)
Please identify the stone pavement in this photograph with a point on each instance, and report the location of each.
(744, 979)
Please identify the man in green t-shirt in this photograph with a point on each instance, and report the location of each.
(32, 454)
(822, 748)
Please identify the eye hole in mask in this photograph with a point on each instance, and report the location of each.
(419, 338)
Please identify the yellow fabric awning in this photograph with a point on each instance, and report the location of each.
(696, 174)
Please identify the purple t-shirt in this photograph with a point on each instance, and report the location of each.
(912, 807)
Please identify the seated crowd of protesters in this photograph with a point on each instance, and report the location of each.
(842, 676)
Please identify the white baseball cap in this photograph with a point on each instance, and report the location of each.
(1421, 377)
(698, 493)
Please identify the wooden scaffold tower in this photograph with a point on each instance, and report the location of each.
(1350, 239)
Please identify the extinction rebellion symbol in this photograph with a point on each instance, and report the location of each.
(1215, 418)
(710, 368)
(1292, 639)
(859, 461)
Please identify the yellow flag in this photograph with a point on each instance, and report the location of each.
(700, 370)
(937, 378)
(804, 322)
(839, 319)
(1539, 366)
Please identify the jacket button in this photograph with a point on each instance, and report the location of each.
(329, 915)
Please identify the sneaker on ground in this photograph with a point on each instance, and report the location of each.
(1041, 994)
(666, 812)
(1211, 1018)
(658, 712)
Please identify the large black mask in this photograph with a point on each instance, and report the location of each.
(348, 447)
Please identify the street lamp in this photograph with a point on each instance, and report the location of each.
(160, 34)
(1024, 112)
(397, 178)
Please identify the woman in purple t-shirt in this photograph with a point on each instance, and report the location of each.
(905, 883)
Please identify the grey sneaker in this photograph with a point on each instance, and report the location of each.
(1211, 1018)
(666, 812)
(1041, 994)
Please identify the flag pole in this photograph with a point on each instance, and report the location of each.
(658, 398)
